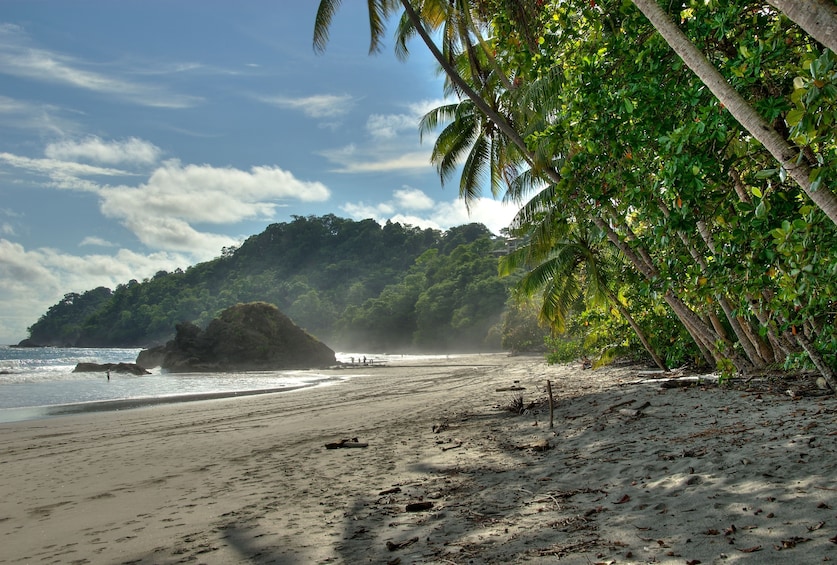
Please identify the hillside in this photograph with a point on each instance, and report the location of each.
(353, 284)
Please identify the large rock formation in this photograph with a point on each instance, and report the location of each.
(132, 368)
(245, 337)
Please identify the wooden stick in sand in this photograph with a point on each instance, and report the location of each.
(551, 403)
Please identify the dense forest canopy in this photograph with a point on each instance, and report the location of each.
(673, 162)
(353, 284)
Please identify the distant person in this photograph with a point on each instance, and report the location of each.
(108, 374)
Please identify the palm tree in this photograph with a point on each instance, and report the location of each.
(568, 262)
(379, 10)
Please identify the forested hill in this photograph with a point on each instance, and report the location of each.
(352, 284)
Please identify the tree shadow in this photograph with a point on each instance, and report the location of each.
(700, 475)
(693, 478)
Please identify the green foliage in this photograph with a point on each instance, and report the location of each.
(352, 284)
(564, 349)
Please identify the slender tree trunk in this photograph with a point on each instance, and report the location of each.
(740, 109)
(704, 336)
(637, 330)
(743, 338)
(499, 120)
(817, 17)
(819, 362)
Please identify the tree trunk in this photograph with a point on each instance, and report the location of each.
(819, 362)
(637, 330)
(740, 109)
(499, 120)
(818, 18)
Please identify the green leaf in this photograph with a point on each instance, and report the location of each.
(794, 116)
(756, 192)
(762, 209)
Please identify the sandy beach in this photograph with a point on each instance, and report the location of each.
(631, 472)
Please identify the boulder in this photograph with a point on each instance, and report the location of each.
(152, 357)
(246, 337)
(131, 368)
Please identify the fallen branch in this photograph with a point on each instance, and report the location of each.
(395, 546)
(452, 446)
(615, 406)
(346, 443)
(636, 413)
(419, 506)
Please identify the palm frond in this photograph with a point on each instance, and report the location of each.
(322, 23)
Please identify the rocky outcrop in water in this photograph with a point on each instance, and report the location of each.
(132, 368)
(246, 337)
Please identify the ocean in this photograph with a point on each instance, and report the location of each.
(40, 383)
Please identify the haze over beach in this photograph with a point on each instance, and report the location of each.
(143, 136)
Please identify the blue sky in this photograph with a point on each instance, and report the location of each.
(145, 135)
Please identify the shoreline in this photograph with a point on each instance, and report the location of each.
(29, 413)
(706, 474)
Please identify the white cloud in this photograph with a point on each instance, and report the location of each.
(98, 241)
(162, 210)
(316, 106)
(18, 58)
(391, 125)
(31, 116)
(414, 207)
(375, 161)
(392, 144)
(131, 151)
(64, 174)
(413, 199)
(32, 281)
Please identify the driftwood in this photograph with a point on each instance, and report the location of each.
(659, 373)
(394, 546)
(392, 490)
(419, 506)
(440, 427)
(618, 405)
(542, 445)
(346, 443)
(510, 388)
(634, 413)
(454, 446)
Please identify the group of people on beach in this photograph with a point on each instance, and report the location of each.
(364, 362)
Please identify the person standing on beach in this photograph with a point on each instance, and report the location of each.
(108, 374)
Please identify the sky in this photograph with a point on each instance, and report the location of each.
(146, 135)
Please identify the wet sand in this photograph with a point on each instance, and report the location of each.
(700, 474)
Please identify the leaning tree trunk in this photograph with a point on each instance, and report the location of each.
(637, 330)
(740, 109)
(819, 362)
(499, 120)
(743, 338)
(818, 18)
(703, 335)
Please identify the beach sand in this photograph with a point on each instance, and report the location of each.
(702, 474)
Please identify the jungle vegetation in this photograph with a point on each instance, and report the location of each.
(674, 164)
(352, 284)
